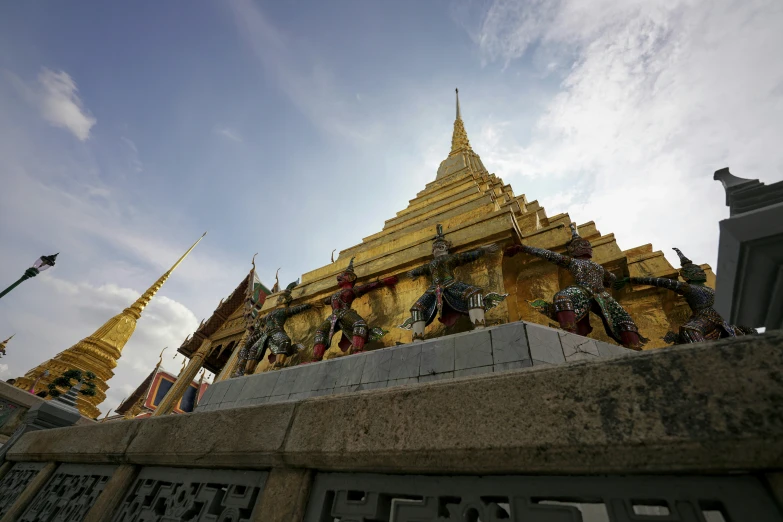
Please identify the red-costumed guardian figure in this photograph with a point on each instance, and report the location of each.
(346, 319)
(572, 305)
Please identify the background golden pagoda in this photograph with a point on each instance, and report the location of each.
(99, 352)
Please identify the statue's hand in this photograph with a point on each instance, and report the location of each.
(491, 249)
(413, 274)
(620, 283)
(318, 305)
(390, 281)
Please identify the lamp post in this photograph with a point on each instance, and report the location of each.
(43, 263)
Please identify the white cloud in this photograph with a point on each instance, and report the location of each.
(229, 133)
(4, 371)
(60, 105)
(305, 77)
(135, 162)
(655, 96)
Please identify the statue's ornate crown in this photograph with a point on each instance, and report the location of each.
(689, 270)
(349, 273)
(440, 237)
(290, 287)
(578, 245)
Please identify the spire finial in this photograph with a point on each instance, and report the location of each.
(160, 358)
(459, 139)
(137, 307)
(276, 287)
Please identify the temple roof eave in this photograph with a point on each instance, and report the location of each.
(221, 314)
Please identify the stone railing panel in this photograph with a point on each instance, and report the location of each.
(69, 494)
(405, 498)
(195, 495)
(14, 482)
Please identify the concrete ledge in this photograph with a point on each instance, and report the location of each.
(101, 443)
(492, 350)
(706, 408)
(241, 438)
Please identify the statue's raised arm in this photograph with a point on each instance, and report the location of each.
(474, 255)
(419, 271)
(375, 285)
(543, 253)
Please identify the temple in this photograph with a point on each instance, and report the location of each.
(144, 400)
(475, 208)
(225, 329)
(99, 352)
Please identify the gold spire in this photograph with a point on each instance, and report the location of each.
(99, 352)
(459, 140)
(3, 345)
(137, 307)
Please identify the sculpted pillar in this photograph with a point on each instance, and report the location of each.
(231, 364)
(186, 377)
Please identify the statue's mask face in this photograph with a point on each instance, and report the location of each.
(346, 277)
(693, 274)
(580, 248)
(440, 248)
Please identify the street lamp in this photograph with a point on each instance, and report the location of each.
(43, 263)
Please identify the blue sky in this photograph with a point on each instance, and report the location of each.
(127, 129)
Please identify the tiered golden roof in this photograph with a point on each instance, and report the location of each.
(99, 352)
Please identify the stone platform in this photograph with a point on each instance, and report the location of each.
(491, 350)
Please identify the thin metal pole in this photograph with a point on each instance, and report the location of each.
(30, 272)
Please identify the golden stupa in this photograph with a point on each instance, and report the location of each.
(475, 208)
(99, 352)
